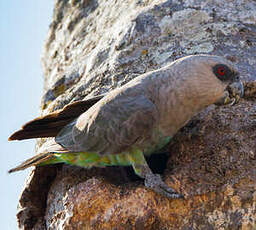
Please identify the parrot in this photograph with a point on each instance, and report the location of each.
(128, 124)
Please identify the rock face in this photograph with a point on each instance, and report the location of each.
(94, 46)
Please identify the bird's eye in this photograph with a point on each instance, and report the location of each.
(221, 71)
(225, 73)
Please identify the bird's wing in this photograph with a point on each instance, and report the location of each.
(111, 126)
(50, 124)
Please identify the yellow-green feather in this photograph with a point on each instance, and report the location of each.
(88, 160)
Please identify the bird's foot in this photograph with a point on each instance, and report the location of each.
(154, 182)
(232, 94)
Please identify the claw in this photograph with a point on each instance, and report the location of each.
(233, 101)
(236, 91)
(154, 182)
(232, 95)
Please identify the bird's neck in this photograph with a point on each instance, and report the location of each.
(177, 105)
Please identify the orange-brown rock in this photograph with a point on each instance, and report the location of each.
(95, 46)
(213, 166)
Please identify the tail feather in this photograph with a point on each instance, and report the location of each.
(46, 156)
(51, 124)
(33, 161)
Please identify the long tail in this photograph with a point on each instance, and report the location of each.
(48, 154)
(40, 159)
(51, 124)
(82, 159)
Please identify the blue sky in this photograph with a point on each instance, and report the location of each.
(23, 29)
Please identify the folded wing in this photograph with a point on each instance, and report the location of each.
(50, 124)
(111, 126)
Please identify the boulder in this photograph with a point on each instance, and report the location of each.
(94, 46)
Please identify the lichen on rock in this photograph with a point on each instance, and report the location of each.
(94, 46)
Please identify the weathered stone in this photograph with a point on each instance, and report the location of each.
(94, 46)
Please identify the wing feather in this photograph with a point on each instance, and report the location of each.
(112, 125)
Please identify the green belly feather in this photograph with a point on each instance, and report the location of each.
(88, 160)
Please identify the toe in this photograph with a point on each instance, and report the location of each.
(155, 182)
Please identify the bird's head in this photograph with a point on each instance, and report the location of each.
(216, 77)
(230, 77)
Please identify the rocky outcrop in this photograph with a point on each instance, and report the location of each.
(94, 46)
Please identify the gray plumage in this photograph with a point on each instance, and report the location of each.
(164, 99)
(140, 116)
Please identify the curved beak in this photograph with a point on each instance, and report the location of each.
(232, 94)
